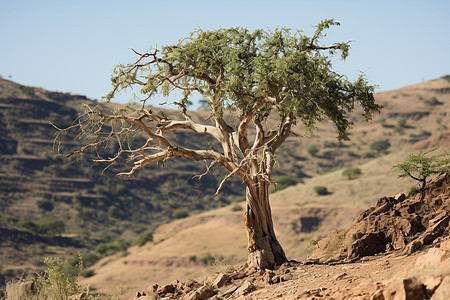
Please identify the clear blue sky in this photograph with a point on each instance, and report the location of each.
(72, 46)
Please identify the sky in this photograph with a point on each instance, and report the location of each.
(72, 46)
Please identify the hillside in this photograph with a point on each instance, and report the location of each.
(216, 241)
(96, 207)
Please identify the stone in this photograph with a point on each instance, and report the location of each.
(405, 289)
(221, 280)
(165, 289)
(431, 283)
(445, 245)
(432, 258)
(245, 288)
(202, 293)
(400, 197)
(443, 291)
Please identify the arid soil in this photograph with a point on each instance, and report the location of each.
(411, 261)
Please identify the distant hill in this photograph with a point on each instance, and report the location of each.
(95, 205)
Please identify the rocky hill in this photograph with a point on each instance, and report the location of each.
(96, 206)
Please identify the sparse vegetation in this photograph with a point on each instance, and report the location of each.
(422, 165)
(143, 238)
(380, 146)
(58, 281)
(321, 190)
(180, 214)
(283, 182)
(351, 172)
(312, 150)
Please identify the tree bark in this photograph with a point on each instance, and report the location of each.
(265, 252)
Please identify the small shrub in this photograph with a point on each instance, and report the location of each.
(193, 258)
(45, 205)
(321, 190)
(236, 207)
(58, 281)
(87, 273)
(413, 190)
(50, 226)
(380, 146)
(351, 172)
(143, 238)
(8, 219)
(401, 124)
(283, 182)
(180, 214)
(28, 225)
(312, 150)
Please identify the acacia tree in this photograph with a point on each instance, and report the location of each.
(281, 74)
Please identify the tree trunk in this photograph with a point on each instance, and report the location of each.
(265, 252)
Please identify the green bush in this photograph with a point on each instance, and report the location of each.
(321, 190)
(50, 226)
(283, 182)
(179, 214)
(351, 172)
(413, 190)
(87, 273)
(312, 150)
(8, 219)
(58, 281)
(143, 238)
(380, 146)
(28, 225)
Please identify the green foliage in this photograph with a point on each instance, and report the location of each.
(8, 219)
(113, 247)
(58, 281)
(143, 238)
(413, 191)
(283, 182)
(351, 172)
(446, 77)
(236, 68)
(401, 124)
(180, 214)
(423, 164)
(380, 146)
(50, 226)
(321, 190)
(312, 150)
(87, 273)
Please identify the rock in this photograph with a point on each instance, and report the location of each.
(341, 276)
(443, 291)
(165, 289)
(445, 245)
(431, 283)
(221, 280)
(406, 289)
(202, 293)
(286, 277)
(245, 288)
(268, 277)
(432, 258)
(400, 197)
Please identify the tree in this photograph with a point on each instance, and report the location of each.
(282, 74)
(422, 165)
(351, 172)
(380, 146)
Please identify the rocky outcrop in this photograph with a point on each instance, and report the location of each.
(394, 223)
